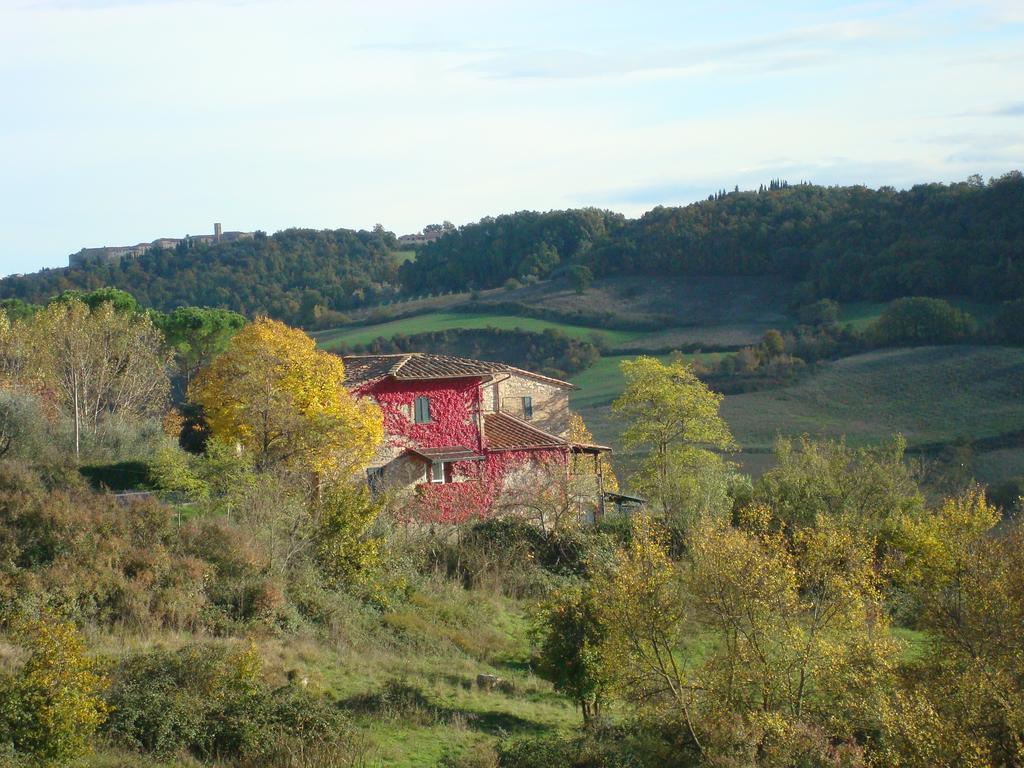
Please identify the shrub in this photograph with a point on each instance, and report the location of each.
(52, 706)
(212, 702)
(921, 320)
(22, 424)
(821, 312)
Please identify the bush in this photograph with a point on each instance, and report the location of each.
(52, 706)
(921, 320)
(211, 702)
(514, 556)
(22, 425)
(821, 312)
(94, 558)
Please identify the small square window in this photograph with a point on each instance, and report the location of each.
(437, 473)
(527, 408)
(422, 410)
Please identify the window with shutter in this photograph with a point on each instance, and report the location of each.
(422, 410)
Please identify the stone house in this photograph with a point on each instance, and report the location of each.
(466, 436)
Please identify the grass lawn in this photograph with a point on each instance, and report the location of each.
(403, 256)
(443, 321)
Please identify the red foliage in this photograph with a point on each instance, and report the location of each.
(454, 409)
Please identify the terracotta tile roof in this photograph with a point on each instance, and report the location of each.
(363, 369)
(507, 433)
(360, 369)
(454, 453)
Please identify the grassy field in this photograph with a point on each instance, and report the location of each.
(429, 652)
(603, 381)
(929, 394)
(443, 321)
(712, 312)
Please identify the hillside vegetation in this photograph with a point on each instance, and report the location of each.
(252, 605)
(299, 275)
(846, 243)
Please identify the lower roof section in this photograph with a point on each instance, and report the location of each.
(451, 453)
(507, 433)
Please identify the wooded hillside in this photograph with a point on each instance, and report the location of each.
(845, 243)
(296, 275)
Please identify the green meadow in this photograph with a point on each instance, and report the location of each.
(444, 321)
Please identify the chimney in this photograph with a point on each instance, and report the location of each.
(216, 232)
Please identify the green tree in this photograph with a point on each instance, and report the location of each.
(571, 653)
(921, 320)
(348, 551)
(773, 344)
(121, 301)
(821, 312)
(199, 334)
(671, 414)
(580, 277)
(867, 489)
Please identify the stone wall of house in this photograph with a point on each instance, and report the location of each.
(454, 412)
(550, 402)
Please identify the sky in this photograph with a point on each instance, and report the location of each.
(124, 121)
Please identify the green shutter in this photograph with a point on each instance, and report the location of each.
(422, 410)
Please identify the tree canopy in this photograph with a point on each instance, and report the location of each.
(280, 397)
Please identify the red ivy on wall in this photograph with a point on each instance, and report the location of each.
(474, 498)
(454, 408)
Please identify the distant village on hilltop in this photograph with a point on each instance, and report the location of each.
(112, 254)
(115, 253)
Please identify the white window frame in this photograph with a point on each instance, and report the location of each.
(432, 472)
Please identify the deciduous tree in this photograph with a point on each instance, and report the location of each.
(280, 397)
(669, 413)
(99, 362)
(52, 706)
(573, 654)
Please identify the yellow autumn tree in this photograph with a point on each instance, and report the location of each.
(275, 394)
(642, 606)
(964, 704)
